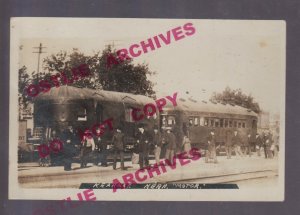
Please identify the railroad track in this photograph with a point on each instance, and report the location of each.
(228, 178)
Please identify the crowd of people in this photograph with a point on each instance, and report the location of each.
(241, 147)
(161, 145)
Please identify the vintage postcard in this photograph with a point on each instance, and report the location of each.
(147, 109)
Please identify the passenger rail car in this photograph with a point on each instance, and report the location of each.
(196, 120)
(82, 108)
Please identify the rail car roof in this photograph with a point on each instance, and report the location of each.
(74, 93)
(209, 107)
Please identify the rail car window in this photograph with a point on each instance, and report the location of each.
(81, 114)
(171, 120)
(217, 122)
(202, 121)
(212, 123)
(154, 116)
(221, 123)
(164, 120)
(226, 123)
(128, 115)
(244, 125)
(254, 124)
(240, 124)
(205, 122)
(38, 131)
(196, 121)
(190, 121)
(230, 124)
(234, 124)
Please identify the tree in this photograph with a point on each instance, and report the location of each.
(23, 98)
(64, 62)
(122, 76)
(236, 97)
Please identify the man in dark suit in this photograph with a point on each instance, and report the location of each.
(103, 153)
(157, 142)
(100, 150)
(228, 144)
(97, 151)
(87, 148)
(56, 157)
(67, 137)
(267, 143)
(143, 141)
(248, 145)
(118, 148)
(258, 144)
(211, 148)
(68, 152)
(171, 145)
(237, 142)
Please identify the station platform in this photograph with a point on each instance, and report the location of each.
(33, 176)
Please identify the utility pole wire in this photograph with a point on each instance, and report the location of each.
(40, 51)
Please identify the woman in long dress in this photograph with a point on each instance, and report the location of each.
(186, 144)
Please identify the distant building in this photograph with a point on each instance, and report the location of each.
(27, 116)
(263, 120)
(269, 122)
(275, 124)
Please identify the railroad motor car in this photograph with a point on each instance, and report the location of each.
(81, 108)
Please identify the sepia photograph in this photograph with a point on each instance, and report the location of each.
(147, 109)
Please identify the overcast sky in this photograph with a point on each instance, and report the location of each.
(240, 54)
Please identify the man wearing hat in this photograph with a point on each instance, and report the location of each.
(267, 143)
(171, 145)
(100, 150)
(248, 145)
(143, 142)
(237, 142)
(211, 148)
(88, 145)
(157, 142)
(228, 144)
(258, 144)
(69, 139)
(118, 147)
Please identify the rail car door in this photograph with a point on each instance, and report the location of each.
(197, 131)
(99, 112)
(128, 123)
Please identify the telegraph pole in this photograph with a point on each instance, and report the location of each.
(112, 43)
(40, 51)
